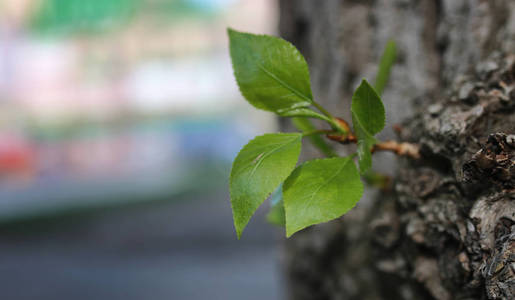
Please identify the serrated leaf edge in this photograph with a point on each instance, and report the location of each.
(231, 177)
(302, 58)
(349, 159)
(381, 100)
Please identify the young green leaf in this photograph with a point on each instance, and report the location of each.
(276, 214)
(271, 72)
(368, 119)
(365, 143)
(385, 65)
(368, 108)
(305, 125)
(258, 169)
(319, 191)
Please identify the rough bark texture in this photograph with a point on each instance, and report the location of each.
(446, 230)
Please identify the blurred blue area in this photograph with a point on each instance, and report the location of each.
(185, 250)
(119, 121)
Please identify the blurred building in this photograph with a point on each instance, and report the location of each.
(102, 98)
(119, 121)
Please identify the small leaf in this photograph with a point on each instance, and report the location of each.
(271, 72)
(305, 125)
(368, 119)
(276, 214)
(365, 144)
(368, 108)
(319, 191)
(258, 169)
(377, 180)
(385, 65)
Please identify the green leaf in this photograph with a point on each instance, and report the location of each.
(368, 119)
(303, 112)
(305, 125)
(377, 180)
(319, 191)
(365, 143)
(368, 108)
(271, 72)
(385, 65)
(258, 169)
(276, 214)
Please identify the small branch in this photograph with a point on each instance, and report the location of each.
(323, 110)
(331, 120)
(347, 136)
(403, 149)
(314, 132)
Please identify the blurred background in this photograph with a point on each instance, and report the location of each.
(119, 121)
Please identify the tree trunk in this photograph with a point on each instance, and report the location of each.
(446, 229)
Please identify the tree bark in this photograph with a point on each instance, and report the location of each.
(446, 229)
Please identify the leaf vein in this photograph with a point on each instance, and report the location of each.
(263, 156)
(284, 84)
(326, 183)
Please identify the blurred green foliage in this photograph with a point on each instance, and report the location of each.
(94, 16)
(68, 16)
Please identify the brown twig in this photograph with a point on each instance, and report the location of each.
(347, 137)
(403, 149)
